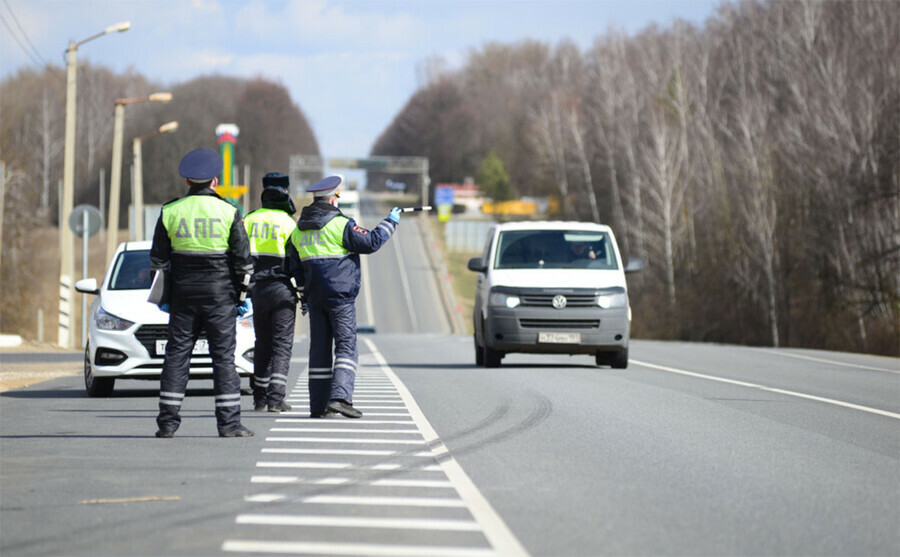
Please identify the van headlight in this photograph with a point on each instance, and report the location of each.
(109, 322)
(505, 300)
(616, 300)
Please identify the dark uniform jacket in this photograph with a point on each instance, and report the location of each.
(327, 243)
(200, 239)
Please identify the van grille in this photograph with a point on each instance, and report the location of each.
(559, 323)
(546, 300)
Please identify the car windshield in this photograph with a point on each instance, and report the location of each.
(554, 249)
(131, 271)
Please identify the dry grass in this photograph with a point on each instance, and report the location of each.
(31, 287)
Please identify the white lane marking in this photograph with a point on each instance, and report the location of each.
(339, 430)
(407, 291)
(413, 483)
(359, 522)
(386, 501)
(366, 422)
(274, 479)
(310, 465)
(346, 452)
(375, 550)
(367, 290)
(495, 530)
(338, 440)
(341, 466)
(299, 360)
(771, 389)
(774, 352)
(264, 498)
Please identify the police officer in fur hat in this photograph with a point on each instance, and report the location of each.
(274, 297)
(201, 242)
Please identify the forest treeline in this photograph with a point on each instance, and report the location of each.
(32, 128)
(752, 163)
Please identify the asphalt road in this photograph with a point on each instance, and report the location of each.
(694, 450)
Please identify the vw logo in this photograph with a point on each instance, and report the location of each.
(559, 301)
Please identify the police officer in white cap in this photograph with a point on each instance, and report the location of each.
(200, 240)
(274, 297)
(328, 245)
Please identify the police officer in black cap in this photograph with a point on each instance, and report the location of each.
(328, 245)
(201, 242)
(274, 297)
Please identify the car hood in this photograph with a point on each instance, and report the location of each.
(557, 278)
(133, 306)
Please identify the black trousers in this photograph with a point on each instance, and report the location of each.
(185, 325)
(332, 327)
(274, 315)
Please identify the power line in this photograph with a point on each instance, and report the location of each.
(34, 51)
(13, 35)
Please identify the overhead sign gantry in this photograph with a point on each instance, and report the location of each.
(390, 165)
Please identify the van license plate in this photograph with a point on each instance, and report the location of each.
(560, 338)
(201, 347)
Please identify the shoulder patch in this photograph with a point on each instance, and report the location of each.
(360, 230)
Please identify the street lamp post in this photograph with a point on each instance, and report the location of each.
(66, 240)
(137, 159)
(115, 182)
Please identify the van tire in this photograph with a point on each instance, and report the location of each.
(492, 357)
(619, 360)
(479, 352)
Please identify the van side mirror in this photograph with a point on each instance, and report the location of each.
(477, 264)
(87, 286)
(634, 265)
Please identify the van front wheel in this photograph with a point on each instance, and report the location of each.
(492, 357)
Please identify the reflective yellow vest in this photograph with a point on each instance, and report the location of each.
(324, 243)
(268, 231)
(198, 224)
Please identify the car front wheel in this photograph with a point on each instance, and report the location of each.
(96, 386)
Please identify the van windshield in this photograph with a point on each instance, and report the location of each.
(554, 249)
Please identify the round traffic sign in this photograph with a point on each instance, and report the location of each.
(76, 220)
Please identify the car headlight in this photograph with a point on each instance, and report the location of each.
(501, 299)
(617, 300)
(109, 322)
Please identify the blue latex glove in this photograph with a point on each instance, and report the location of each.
(394, 217)
(164, 307)
(245, 308)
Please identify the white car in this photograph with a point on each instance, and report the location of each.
(127, 334)
(552, 288)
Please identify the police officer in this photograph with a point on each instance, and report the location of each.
(328, 245)
(274, 298)
(200, 240)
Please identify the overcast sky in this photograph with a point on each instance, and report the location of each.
(349, 65)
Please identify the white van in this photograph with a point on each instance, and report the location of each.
(552, 287)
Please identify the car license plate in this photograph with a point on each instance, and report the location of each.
(200, 347)
(560, 338)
